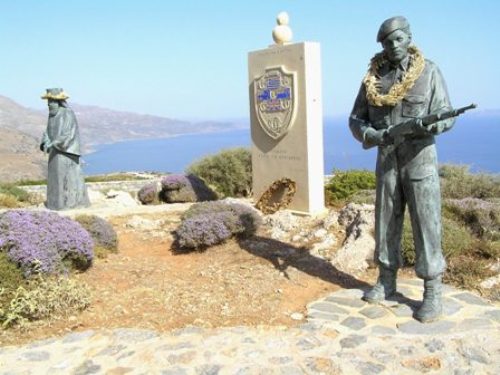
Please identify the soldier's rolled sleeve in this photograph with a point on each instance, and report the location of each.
(440, 101)
(358, 121)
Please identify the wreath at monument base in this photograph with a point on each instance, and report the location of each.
(277, 196)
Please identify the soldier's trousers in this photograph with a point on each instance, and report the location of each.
(408, 175)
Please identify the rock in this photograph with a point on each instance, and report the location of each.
(297, 316)
(137, 222)
(320, 248)
(320, 233)
(35, 356)
(416, 328)
(285, 221)
(495, 267)
(331, 220)
(112, 193)
(121, 198)
(369, 368)
(95, 196)
(471, 299)
(491, 282)
(434, 345)
(185, 188)
(357, 252)
(373, 312)
(354, 323)
(352, 341)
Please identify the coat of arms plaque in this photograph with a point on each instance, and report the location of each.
(274, 94)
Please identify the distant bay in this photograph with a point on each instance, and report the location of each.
(473, 141)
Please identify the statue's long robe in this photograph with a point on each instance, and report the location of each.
(65, 183)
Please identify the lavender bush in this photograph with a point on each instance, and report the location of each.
(148, 194)
(101, 231)
(178, 188)
(44, 241)
(174, 181)
(202, 231)
(210, 223)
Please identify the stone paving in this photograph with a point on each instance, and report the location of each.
(341, 335)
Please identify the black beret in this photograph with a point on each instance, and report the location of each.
(390, 25)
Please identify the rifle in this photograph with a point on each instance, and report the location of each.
(407, 127)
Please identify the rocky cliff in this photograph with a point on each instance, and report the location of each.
(21, 129)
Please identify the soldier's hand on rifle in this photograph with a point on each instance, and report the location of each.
(436, 128)
(419, 128)
(374, 137)
(432, 129)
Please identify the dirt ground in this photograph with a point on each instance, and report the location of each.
(148, 285)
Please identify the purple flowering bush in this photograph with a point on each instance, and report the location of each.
(174, 181)
(178, 188)
(202, 231)
(44, 242)
(210, 223)
(148, 194)
(102, 232)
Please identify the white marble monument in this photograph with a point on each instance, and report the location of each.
(287, 119)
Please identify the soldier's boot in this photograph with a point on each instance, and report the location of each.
(385, 286)
(432, 306)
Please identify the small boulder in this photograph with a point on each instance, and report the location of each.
(185, 188)
(358, 249)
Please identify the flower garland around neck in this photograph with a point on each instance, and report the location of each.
(399, 90)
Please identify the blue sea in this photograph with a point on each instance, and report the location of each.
(473, 141)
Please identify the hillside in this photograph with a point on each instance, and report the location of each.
(21, 129)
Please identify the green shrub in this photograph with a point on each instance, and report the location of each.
(9, 201)
(489, 250)
(456, 240)
(43, 298)
(344, 184)
(229, 172)
(11, 276)
(467, 272)
(31, 182)
(11, 196)
(458, 183)
(115, 177)
(363, 197)
(482, 217)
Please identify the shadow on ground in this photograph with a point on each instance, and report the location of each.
(283, 255)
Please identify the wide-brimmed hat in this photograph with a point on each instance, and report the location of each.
(55, 94)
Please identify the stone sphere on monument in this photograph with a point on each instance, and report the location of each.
(282, 33)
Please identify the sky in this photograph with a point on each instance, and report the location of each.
(188, 59)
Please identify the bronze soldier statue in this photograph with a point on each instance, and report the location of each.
(402, 85)
(65, 183)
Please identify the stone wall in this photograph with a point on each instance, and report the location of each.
(129, 186)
